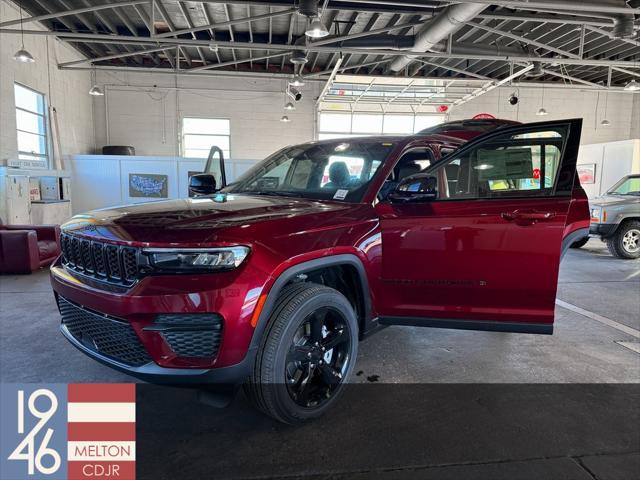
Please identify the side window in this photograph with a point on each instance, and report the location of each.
(507, 165)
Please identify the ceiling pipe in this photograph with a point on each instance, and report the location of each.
(449, 21)
(623, 23)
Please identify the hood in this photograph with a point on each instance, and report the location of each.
(218, 219)
(607, 200)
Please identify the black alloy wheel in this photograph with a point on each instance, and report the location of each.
(306, 355)
(318, 357)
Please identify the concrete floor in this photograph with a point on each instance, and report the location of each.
(585, 349)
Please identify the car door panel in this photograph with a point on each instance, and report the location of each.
(478, 262)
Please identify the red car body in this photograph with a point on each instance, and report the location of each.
(471, 264)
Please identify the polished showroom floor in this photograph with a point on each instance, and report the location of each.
(596, 341)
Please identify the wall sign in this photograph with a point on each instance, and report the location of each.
(587, 173)
(147, 185)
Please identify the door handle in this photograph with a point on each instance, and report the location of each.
(527, 216)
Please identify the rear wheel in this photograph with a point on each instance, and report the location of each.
(307, 353)
(580, 243)
(625, 243)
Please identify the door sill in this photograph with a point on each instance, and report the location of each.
(482, 325)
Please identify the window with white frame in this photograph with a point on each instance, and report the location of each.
(31, 124)
(344, 125)
(200, 134)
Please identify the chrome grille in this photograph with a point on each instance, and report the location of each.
(109, 263)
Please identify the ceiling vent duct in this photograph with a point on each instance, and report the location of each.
(308, 8)
(449, 21)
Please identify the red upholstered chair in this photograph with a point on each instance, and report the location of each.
(26, 248)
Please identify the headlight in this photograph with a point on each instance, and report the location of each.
(595, 215)
(196, 259)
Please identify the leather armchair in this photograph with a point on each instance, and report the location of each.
(26, 248)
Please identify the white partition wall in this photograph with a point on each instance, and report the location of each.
(100, 181)
(609, 162)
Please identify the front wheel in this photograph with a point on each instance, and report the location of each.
(307, 353)
(625, 243)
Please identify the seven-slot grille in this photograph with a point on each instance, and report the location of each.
(108, 336)
(103, 261)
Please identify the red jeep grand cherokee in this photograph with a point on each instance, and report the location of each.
(272, 280)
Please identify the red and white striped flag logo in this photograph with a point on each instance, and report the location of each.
(102, 431)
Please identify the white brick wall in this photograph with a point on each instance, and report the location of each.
(67, 91)
(562, 103)
(143, 110)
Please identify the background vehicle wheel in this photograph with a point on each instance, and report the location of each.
(580, 243)
(307, 353)
(626, 241)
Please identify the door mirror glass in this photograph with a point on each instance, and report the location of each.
(215, 167)
(202, 184)
(416, 188)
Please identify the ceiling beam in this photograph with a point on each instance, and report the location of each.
(236, 21)
(232, 63)
(519, 38)
(454, 69)
(492, 86)
(116, 55)
(123, 40)
(75, 11)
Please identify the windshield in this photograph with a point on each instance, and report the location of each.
(340, 170)
(626, 186)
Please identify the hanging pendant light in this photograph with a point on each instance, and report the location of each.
(284, 119)
(22, 55)
(542, 112)
(289, 106)
(632, 86)
(605, 122)
(297, 81)
(316, 29)
(95, 90)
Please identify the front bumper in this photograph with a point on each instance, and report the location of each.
(602, 229)
(153, 297)
(153, 373)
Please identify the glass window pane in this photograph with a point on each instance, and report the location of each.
(30, 122)
(206, 142)
(202, 153)
(335, 122)
(402, 124)
(31, 143)
(363, 123)
(28, 99)
(215, 126)
(426, 121)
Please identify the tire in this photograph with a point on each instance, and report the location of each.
(277, 385)
(625, 243)
(118, 150)
(580, 243)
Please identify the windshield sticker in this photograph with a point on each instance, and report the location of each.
(340, 194)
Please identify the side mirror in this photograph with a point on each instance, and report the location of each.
(202, 184)
(416, 188)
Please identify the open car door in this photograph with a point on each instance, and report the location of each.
(484, 253)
